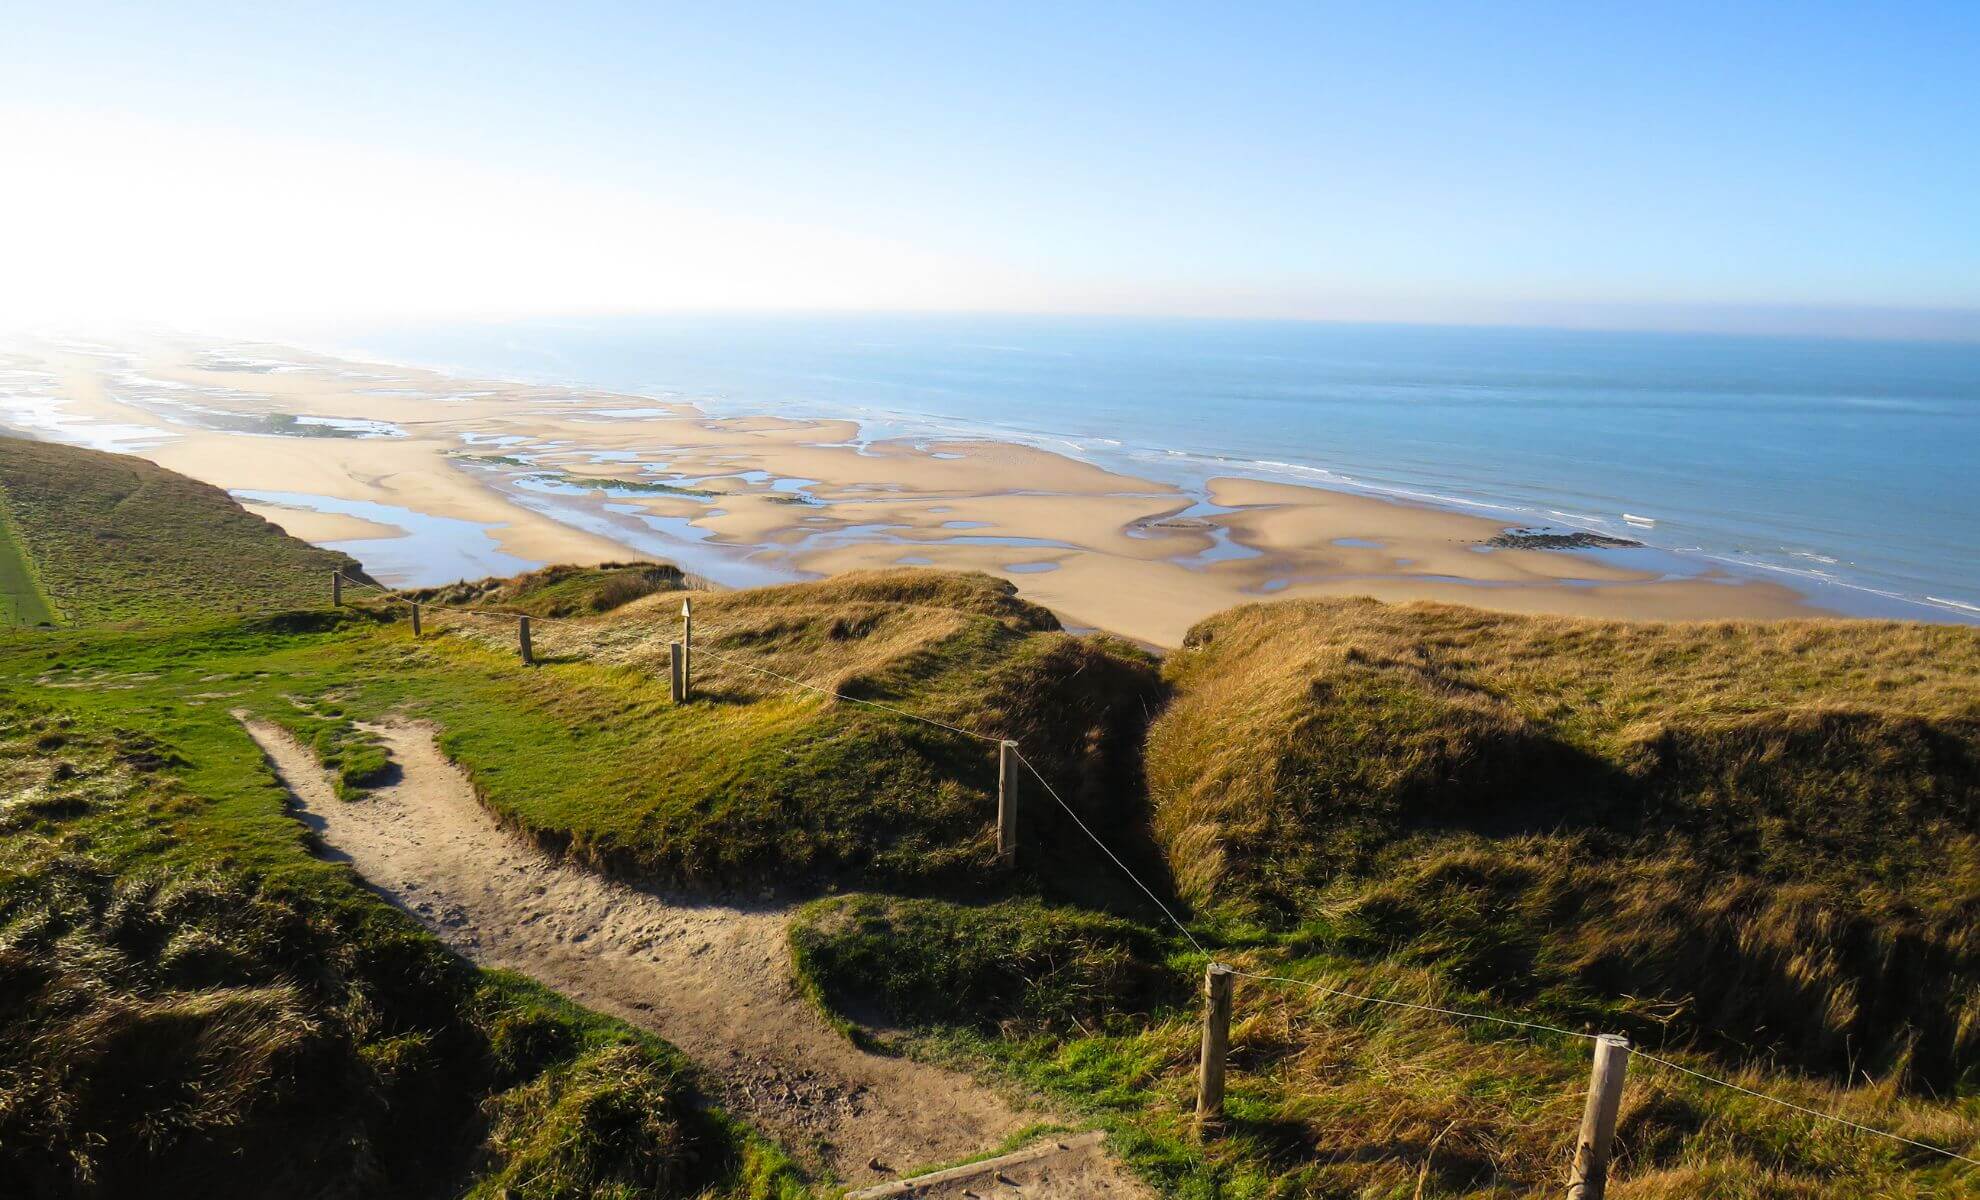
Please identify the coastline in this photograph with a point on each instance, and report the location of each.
(416, 472)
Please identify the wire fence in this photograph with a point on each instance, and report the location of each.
(125, 626)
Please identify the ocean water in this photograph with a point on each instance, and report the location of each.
(1844, 467)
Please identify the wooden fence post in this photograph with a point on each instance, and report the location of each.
(1590, 1180)
(415, 615)
(1216, 1044)
(687, 646)
(522, 640)
(677, 676)
(1007, 802)
(336, 588)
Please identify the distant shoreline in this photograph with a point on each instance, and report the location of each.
(1830, 464)
(428, 473)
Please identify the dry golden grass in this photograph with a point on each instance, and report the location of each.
(845, 634)
(1765, 834)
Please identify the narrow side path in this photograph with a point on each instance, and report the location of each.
(713, 979)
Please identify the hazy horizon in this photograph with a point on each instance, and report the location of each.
(1945, 326)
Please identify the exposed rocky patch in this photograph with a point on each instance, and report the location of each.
(1554, 539)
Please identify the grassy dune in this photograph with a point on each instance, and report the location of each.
(761, 780)
(1043, 977)
(1749, 846)
(1765, 835)
(113, 538)
(193, 1004)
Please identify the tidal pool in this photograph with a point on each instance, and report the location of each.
(434, 550)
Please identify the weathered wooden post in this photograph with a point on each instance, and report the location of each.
(1216, 1045)
(415, 615)
(677, 676)
(1007, 800)
(522, 639)
(1590, 1180)
(687, 646)
(336, 587)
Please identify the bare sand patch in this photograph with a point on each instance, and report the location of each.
(321, 527)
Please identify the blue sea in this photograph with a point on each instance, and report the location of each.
(1843, 467)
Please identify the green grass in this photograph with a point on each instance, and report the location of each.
(21, 601)
(1040, 989)
(190, 1002)
(1750, 847)
(1012, 966)
(594, 1108)
(111, 538)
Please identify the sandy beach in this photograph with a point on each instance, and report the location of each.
(427, 477)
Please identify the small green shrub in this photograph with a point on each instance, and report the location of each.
(561, 590)
(1012, 965)
(605, 1127)
(355, 757)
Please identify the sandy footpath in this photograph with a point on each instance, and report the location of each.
(714, 979)
(771, 498)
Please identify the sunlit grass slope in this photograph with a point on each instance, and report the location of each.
(108, 537)
(761, 781)
(1329, 1097)
(1765, 835)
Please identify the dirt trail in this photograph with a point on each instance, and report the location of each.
(713, 979)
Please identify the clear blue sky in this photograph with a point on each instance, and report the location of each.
(1450, 161)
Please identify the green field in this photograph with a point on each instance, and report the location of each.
(21, 601)
(20, 593)
(192, 1003)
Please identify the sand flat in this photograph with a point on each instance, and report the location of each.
(559, 474)
(320, 527)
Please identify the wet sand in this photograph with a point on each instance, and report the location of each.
(545, 474)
